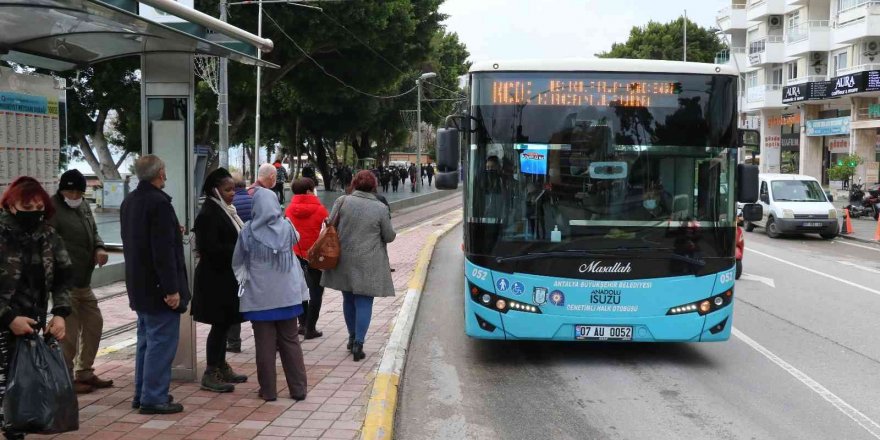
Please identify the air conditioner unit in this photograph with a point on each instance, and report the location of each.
(774, 21)
(818, 56)
(871, 50)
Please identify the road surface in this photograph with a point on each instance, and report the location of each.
(803, 362)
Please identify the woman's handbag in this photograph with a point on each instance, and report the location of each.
(40, 397)
(324, 254)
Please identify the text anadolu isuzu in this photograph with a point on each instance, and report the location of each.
(600, 199)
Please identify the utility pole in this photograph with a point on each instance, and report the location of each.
(259, 78)
(223, 100)
(685, 29)
(423, 77)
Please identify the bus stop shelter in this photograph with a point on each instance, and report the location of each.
(61, 35)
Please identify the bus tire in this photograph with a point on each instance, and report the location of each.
(772, 229)
(749, 226)
(739, 268)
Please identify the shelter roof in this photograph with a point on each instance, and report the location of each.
(67, 34)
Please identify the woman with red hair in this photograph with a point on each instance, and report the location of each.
(35, 268)
(363, 271)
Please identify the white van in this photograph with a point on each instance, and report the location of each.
(794, 204)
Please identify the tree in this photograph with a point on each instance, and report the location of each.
(103, 104)
(663, 41)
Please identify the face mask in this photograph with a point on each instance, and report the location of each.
(650, 204)
(73, 203)
(29, 220)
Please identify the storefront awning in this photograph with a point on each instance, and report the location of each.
(67, 34)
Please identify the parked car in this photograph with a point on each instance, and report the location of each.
(794, 203)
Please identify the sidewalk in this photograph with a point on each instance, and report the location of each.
(864, 228)
(339, 388)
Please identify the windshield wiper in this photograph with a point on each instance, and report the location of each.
(564, 254)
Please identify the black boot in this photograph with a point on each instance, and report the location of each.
(350, 343)
(357, 351)
(213, 381)
(230, 376)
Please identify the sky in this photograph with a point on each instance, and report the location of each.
(529, 29)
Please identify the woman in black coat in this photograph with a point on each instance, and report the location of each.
(215, 299)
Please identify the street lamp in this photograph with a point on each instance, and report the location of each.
(424, 76)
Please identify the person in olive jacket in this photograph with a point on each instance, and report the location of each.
(76, 225)
(215, 290)
(155, 276)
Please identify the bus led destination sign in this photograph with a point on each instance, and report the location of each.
(598, 92)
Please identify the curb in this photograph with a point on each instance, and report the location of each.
(861, 240)
(379, 421)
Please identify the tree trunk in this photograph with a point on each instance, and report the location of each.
(89, 156)
(321, 159)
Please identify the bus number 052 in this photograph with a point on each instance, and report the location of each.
(479, 274)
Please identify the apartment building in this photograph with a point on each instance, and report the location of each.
(810, 80)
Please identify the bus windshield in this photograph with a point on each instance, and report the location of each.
(599, 161)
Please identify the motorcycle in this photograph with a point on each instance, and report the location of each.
(862, 204)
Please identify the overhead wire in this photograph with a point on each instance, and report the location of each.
(324, 70)
(374, 51)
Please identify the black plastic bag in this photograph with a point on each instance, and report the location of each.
(39, 394)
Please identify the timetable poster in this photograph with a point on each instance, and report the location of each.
(29, 135)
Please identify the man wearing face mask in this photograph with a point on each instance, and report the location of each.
(654, 205)
(76, 225)
(155, 276)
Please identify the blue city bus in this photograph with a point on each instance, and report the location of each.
(599, 199)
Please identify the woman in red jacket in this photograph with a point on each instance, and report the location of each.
(307, 214)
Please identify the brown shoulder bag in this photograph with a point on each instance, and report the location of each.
(324, 254)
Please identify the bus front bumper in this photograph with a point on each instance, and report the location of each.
(484, 323)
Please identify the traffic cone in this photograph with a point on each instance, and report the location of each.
(847, 225)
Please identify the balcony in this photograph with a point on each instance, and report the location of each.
(739, 53)
(732, 18)
(804, 79)
(857, 19)
(792, 5)
(766, 96)
(766, 50)
(810, 36)
(857, 69)
(758, 9)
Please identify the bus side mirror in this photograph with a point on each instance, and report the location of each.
(448, 148)
(752, 212)
(746, 183)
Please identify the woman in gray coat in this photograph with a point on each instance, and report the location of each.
(363, 271)
(273, 289)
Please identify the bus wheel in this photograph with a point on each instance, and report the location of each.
(739, 268)
(772, 229)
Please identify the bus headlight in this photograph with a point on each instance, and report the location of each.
(500, 304)
(704, 306)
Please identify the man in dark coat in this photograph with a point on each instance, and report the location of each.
(155, 276)
(430, 169)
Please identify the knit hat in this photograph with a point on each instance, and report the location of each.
(72, 179)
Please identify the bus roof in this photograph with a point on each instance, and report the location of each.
(602, 65)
